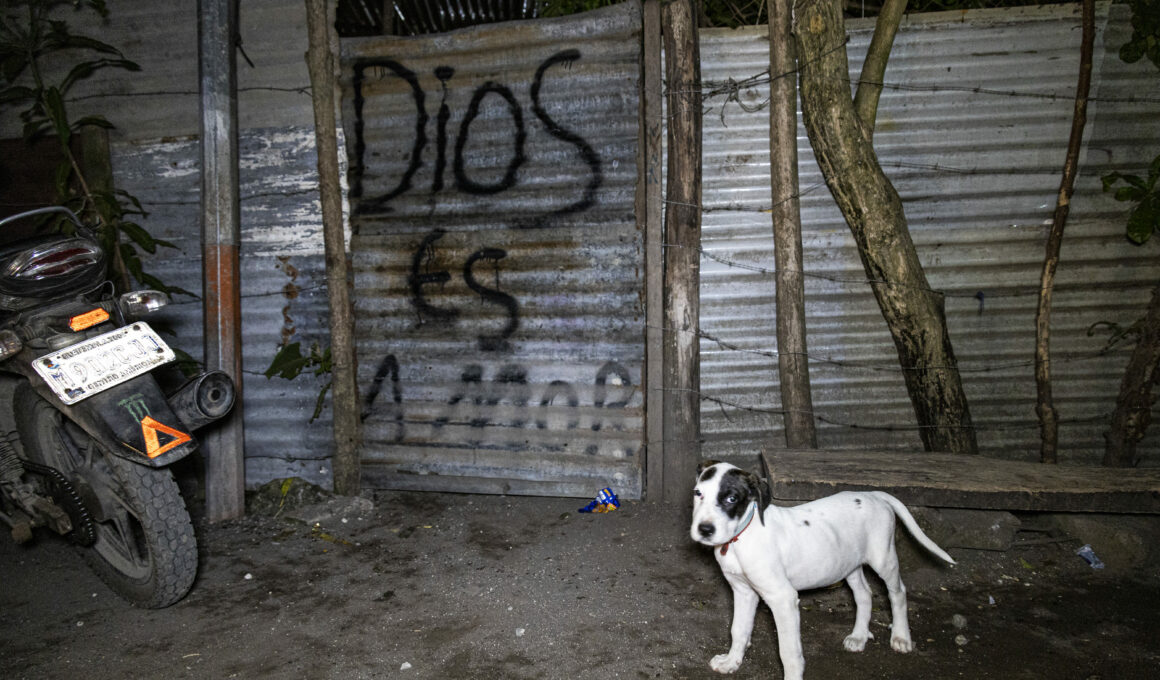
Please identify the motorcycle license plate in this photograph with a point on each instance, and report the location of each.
(93, 366)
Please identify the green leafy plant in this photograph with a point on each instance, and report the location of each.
(289, 363)
(31, 35)
(1145, 40)
(1143, 192)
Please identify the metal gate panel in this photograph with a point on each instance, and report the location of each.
(498, 267)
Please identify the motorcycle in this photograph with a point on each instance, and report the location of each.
(86, 431)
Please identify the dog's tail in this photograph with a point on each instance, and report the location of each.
(912, 526)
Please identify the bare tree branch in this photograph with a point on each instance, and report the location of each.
(874, 67)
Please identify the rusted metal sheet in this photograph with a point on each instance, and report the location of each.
(972, 129)
(283, 294)
(498, 267)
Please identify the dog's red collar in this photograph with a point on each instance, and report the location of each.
(725, 545)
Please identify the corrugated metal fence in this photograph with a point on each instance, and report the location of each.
(498, 265)
(972, 129)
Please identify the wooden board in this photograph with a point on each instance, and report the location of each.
(957, 481)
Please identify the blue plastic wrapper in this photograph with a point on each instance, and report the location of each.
(605, 501)
(1089, 556)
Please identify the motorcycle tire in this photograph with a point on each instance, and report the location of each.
(145, 549)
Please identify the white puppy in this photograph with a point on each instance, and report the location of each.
(771, 553)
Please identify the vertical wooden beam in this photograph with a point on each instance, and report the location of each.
(682, 299)
(792, 360)
(650, 205)
(344, 393)
(220, 232)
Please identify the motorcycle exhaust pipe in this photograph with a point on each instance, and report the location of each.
(204, 399)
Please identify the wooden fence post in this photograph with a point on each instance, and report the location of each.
(682, 257)
(344, 392)
(792, 359)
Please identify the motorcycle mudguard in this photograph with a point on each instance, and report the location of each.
(132, 420)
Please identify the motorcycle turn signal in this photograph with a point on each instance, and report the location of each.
(138, 303)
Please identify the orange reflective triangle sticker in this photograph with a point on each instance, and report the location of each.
(153, 446)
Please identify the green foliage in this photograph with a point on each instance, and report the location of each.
(31, 32)
(1144, 215)
(1145, 40)
(289, 363)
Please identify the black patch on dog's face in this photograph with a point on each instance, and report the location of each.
(735, 492)
(738, 489)
(705, 465)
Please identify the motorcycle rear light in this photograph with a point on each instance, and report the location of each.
(9, 344)
(49, 260)
(88, 319)
(140, 302)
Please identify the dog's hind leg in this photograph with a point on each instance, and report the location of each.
(745, 601)
(856, 641)
(887, 568)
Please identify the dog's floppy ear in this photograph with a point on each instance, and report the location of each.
(706, 464)
(759, 491)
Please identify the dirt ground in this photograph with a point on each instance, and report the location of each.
(402, 585)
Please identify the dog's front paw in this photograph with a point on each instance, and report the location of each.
(901, 644)
(856, 643)
(724, 663)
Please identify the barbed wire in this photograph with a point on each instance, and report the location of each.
(893, 427)
(193, 299)
(1024, 292)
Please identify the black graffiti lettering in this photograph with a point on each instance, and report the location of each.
(512, 384)
(496, 342)
(512, 375)
(361, 67)
(475, 403)
(587, 153)
(380, 67)
(443, 73)
(622, 380)
(388, 368)
(419, 277)
(462, 181)
(470, 392)
(472, 375)
(555, 389)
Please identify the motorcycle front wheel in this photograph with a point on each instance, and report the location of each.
(145, 549)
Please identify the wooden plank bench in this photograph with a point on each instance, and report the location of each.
(959, 481)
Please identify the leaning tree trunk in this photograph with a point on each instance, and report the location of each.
(873, 211)
(1134, 405)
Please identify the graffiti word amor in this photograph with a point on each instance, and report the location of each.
(478, 403)
(366, 70)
